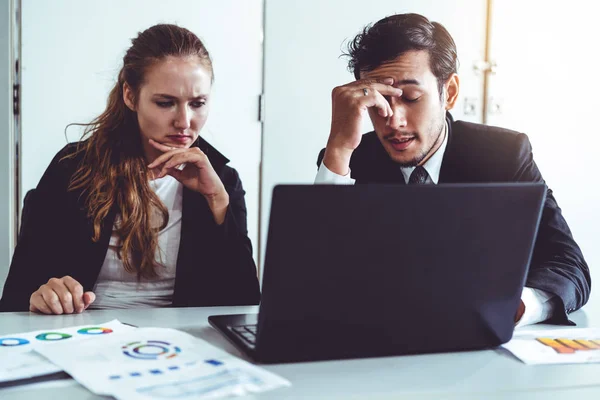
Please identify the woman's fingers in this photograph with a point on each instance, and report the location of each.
(76, 291)
(165, 157)
(51, 299)
(60, 296)
(64, 294)
(193, 156)
(160, 146)
(37, 304)
(88, 298)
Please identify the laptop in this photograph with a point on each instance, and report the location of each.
(381, 270)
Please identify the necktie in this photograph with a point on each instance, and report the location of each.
(418, 176)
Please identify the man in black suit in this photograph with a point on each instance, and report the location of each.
(406, 80)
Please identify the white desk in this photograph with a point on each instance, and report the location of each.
(491, 374)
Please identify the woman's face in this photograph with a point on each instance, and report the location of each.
(172, 106)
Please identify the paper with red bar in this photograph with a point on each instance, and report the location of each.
(556, 346)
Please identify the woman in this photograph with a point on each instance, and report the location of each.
(144, 213)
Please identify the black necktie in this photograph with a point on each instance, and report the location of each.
(418, 176)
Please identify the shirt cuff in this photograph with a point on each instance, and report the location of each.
(325, 176)
(538, 306)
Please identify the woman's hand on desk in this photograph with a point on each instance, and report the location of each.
(60, 296)
(197, 174)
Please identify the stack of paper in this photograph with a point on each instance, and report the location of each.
(159, 363)
(18, 360)
(558, 346)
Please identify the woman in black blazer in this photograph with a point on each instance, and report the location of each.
(106, 204)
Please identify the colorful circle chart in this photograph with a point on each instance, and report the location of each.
(53, 336)
(12, 342)
(150, 350)
(94, 330)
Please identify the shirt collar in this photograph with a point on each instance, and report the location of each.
(434, 164)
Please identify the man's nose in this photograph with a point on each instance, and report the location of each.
(398, 119)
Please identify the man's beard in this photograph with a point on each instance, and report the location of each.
(416, 160)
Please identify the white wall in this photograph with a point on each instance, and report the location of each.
(549, 87)
(303, 42)
(6, 144)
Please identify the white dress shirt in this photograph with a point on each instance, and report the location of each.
(538, 307)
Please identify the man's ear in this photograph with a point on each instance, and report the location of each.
(451, 89)
(128, 97)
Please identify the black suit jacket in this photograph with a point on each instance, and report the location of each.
(477, 154)
(214, 264)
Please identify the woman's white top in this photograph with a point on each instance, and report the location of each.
(117, 288)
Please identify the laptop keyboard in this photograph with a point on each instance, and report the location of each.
(246, 332)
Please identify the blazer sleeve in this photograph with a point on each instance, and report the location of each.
(557, 264)
(35, 259)
(236, 247)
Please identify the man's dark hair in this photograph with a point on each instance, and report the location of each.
(395, 35)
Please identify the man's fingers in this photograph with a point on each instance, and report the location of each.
(370, 81)
(373, 95)
(383, 106)
(382, 85)
(386, 90)
(76, 292)
(88, 298)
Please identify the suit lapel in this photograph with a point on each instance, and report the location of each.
(450, 172)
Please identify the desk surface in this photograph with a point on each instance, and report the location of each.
(490, 374)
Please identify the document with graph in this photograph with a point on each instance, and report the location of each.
(557, 346)
(18, 360)
(159, 363)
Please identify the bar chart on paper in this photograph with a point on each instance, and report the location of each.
(560, 346)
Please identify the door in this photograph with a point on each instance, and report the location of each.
(7, 144)
(546, 85)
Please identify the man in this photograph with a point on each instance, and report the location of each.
(406, 80)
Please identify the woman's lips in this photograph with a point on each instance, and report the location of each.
(179, 138)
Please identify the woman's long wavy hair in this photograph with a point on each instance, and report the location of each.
(113, 172)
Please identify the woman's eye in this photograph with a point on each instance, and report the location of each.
(164, 104)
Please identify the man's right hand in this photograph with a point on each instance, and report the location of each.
(60, 296)
(350, 104)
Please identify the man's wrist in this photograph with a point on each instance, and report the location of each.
(520, 312)
(337, 159)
